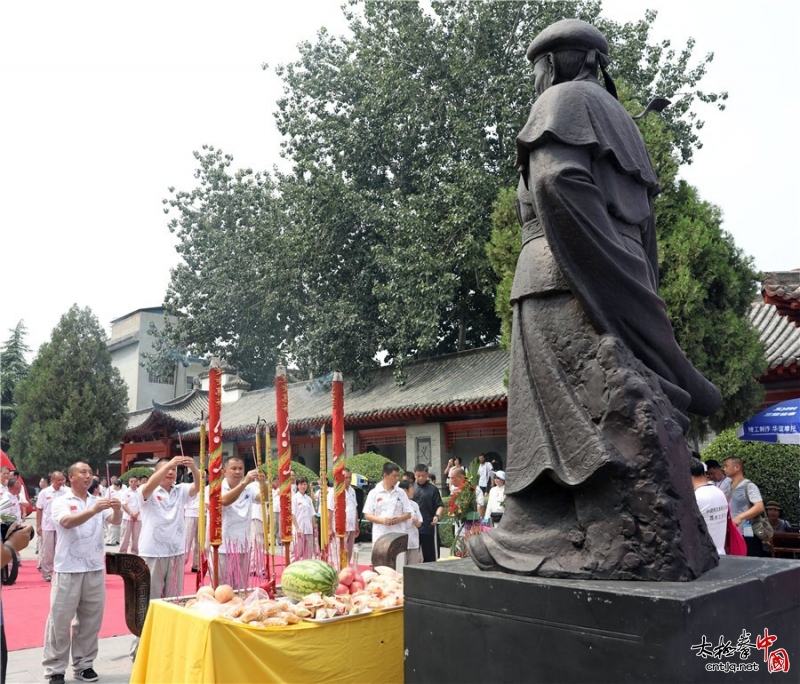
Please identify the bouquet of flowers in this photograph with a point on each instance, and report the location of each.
(462, 511)
(462, 505)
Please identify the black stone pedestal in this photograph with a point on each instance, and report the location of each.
(464, 625)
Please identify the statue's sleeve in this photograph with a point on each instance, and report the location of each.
(614, 284)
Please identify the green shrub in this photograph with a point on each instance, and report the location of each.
(138, 472)
(299, 470)
(368, 465)
(774, 468)
(302, 471)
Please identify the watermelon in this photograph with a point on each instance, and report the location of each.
(308, 576)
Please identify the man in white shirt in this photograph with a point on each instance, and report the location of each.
(161, 542)
(712, 504)
(78, 589)
(716, 475)
(485, 470)
(10, 499)
(162, 538)
(237, 498)
(387, 506)
(350, 513)
(45, 525)
(131, 523)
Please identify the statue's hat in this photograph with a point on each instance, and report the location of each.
(567, 34)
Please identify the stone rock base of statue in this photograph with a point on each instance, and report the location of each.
(739, 622)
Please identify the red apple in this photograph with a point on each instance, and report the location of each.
(342, 589)
(347, 575)
(356, 586)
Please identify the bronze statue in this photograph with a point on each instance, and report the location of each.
(597, 477)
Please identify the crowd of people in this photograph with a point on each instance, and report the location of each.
(78, 514)
(729, 502)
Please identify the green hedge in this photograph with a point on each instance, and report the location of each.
(138, 471)
(299, 470)
(369, 465)
(774, 468)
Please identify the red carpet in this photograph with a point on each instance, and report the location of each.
(26, 605)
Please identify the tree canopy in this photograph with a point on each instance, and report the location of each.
(13, 369)
(400, 137)
(72, 406)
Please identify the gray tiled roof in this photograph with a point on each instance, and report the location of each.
(780, 337)
(782, 284)
(440, 385)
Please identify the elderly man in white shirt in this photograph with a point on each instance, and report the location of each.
(77, 597)
(387, 506)
(45, 525)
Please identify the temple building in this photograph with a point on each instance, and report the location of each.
(451, 405)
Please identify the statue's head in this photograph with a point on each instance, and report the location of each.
(569, 50)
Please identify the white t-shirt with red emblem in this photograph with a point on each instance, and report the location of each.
(163, 524)
(80, 548)
(236, 518)
(45, 503)
(385, 504)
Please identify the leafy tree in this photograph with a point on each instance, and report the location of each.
(408, 126)
(708, 285)
(73, 404)
(13, 369)
(228, 292)
(775, 468)
(400, 137)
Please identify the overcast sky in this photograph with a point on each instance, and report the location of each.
(104, 103)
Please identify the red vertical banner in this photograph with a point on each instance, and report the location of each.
(284, 452)
(215, 464)
(337, 429)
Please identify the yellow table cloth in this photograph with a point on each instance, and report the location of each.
(183, 647)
